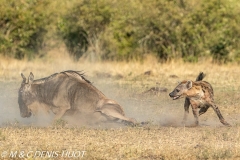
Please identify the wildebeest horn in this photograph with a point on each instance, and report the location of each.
(24, 78)
(30, 78)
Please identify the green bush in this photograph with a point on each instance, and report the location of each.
(123, 30)
(80, 26)
(22, 27)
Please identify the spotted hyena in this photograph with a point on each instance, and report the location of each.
(198, 94)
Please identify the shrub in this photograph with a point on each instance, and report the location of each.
(79, 27)
(23, 28)
(123, 30)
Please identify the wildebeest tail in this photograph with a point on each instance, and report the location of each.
(200, 76)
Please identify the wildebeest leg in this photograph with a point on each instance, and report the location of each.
(203, 110)
(61, 111)
(217, 111)
(186, 110)
(111, 111)
(37, 108)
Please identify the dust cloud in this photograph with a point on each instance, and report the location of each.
(10, 113)
(157, 110)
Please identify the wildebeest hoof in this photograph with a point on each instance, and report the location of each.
(145, 123)
(131, 122)
(227, 124)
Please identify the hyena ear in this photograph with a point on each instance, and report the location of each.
(24, 78)
(189, 84)
(30, 78)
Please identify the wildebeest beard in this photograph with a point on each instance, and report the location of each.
(24, 111)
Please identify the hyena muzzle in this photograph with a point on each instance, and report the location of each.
(198, 94)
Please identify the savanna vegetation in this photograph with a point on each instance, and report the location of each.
(131, 37)
(163, 138)
(122, 30)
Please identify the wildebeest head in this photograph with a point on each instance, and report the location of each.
(181, 90)
(25, 96)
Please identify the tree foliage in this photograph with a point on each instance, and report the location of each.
(123, 30)
(22, 27)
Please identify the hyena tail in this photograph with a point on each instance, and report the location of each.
(200, 76)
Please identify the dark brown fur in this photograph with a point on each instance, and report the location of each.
(198, 94)
(67, 92)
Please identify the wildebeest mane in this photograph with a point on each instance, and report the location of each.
(73, 73)
(76, 73)
(42, 80)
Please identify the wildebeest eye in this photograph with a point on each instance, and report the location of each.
(177, 90)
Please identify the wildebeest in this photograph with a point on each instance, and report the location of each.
(67, 92)
(198, 94)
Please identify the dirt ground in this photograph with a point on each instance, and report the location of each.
(144, 96)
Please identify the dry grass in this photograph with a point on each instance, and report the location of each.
(158, 140)
(128, 143)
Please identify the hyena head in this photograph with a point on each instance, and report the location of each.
(25, 96)
(181, 90)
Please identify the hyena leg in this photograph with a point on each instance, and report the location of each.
(217, 111)
(203, 110)
(186, 110)
(195, 113)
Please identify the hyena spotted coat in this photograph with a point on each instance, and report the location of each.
(67, 92)
(198, 94)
